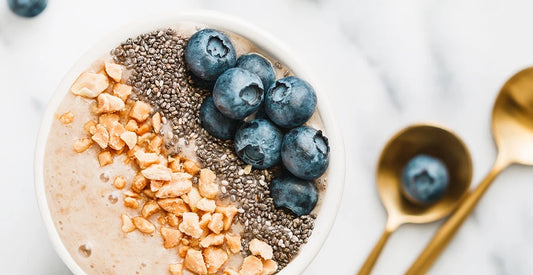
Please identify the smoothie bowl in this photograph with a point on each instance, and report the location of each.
(190, 145)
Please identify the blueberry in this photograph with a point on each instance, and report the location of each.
(258, 65)
(290, 102)
(215, 123)
(209, 53)
(238, 93)
(27, 8)
(297, 195)
(305, 152)
(258, 143)
(424, 179)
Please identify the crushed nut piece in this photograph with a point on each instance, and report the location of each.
(214, 258)
(131, 203)
(122, 90)
(150, 208)
(109, 103)
(179, 184)
(66, 118)
(171, 237)
(175, 269)
(143, 128)
(82, 144)
(212, 239)
(114, 71)
(229, 213)
(260, 248)
(216, 224)
(156, 122)
(182, 251)
(191, 225)
(205, 219)
(115, 142)
(155, 185)
(157, 172)
(155, 144)
(108, 120)
(175, 206)
(172, 220)
(130, 138)
(144, 159)
(143, 225)
(89, 85)
(229, 271)
(90, 127)
(105, 158)
(138, 183)
(251, 266)
(194, 261)
(191, 167)
(269, 267)
(127, 224)
(206, 205)
(234, 242)
(119, 182)
(207, 186)
(101, 136)
(194, 197)
(132, 126)
(140, 111)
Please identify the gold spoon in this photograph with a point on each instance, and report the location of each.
(417, 139)
(512, 128)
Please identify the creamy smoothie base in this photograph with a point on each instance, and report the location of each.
(86, 206)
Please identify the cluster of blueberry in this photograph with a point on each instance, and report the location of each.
(27, 8)
(246, 86)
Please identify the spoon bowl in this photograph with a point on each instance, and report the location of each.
(431, 140)
(428, 139)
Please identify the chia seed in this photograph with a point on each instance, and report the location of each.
(160, 77)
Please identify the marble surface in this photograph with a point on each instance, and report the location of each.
(387, 64)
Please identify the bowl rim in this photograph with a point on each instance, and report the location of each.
(336, 172)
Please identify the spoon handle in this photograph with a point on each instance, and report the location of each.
(450, 227)
(374, 255)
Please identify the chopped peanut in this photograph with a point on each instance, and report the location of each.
(144, 225)
(175, 165)
(157, 172)
(194, 197)
(229, 271)
(82, 144)
(66, 118)
(251, 266)
(131, 203)
(144, 159)
(132, 126)
(234, 242)
(269, 267)
(115, 142)
(212, 239)
(216, 224)
(171, 237)
(105, 158)
(172, 220)
(155, 144)
(206, 205)
(90, 127)
(191, 167)
(130, 138)
(109, 103)
(182, 251)
(155, 185)
(127, 224)
(140, 111)
(150, 208)
(113, 70)
(175, 206)
(191, 225)
(175, 269)
(89, 85)
(147, 192)
(179, 184)
(229, 213)
(156, 122)
(108, 120)
(260, 248)
(194, 261)
(143, 129)
(206, 185)
(101, 136)
(205, 219)
(214, 258)
(119, 182)
(138, 183)
(122, 90)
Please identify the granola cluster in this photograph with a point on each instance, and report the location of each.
(191, 218)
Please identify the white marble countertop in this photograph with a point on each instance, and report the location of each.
(387, 64)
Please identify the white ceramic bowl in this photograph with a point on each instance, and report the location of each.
(331, 197)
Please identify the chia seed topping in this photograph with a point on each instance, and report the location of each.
(160, 77)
